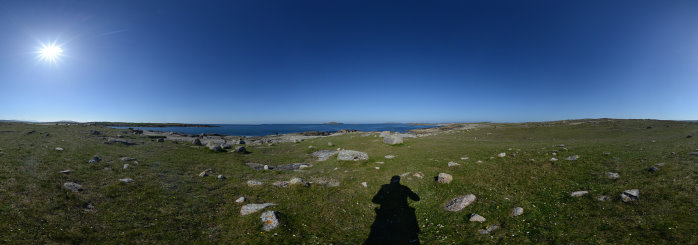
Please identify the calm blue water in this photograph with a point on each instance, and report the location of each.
(269, 129)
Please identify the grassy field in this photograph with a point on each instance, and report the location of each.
(170, 203)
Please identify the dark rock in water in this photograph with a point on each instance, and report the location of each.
(95, 159)
(323, 154)
(95, 132)
(118, 141)
(196, 142)
(292, 166)
(75, 187)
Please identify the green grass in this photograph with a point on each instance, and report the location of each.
(170, 203)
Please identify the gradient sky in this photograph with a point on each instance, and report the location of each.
(349, 61)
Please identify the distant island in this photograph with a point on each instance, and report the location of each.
(333, 123)
(158, 125)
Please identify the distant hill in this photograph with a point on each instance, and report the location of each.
(333, 123)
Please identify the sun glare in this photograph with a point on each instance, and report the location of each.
(50, 52)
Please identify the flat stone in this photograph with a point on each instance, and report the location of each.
(602, 198)
(630, 195)
(477, 218)
(59, 149)
(292, 166)
(252, 183)
(389, 156)
(75, 187)
(458, 203)
(419, 175)
(118, 141)
(479, 161)
(572, 158)
(488, 229)
(203, 174)
(241, 200)
(349, 155)
(612, 175)
(126, 159)
(364, 184)
(126, 180)
(126, 166)
(464, 158)
(517, 211)
(693, 153)
(453, 164)
(392, 139)
(579, 193)
(323, 154)
(258, 166)
(553, 159)
(270, 220)
(501, 154)
(444, 178)
(67, 171)
(252, 208)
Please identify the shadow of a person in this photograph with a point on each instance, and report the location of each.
(396, 221)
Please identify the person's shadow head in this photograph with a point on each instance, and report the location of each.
(396, 221)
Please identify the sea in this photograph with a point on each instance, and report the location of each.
(270, 129)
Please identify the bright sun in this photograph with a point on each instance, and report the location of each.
(50, 52)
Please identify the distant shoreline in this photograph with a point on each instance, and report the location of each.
(151, 125)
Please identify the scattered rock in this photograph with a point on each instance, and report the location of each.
(419, 175)
(323, 154)
(653, 169)
(241, 142)
(95, 159)
(221, 177)
(477, 218)
(384, 134)
(553, 159)
(572, 158)
(203, 174)
(501, 154)
(479, 161)
(126, 180)
(118, 141)
(126, 166)
(67, 171)
(554, 153)
(330, 143)
(378, 167)
(59, 149)
(252, 183)
(293, 166)
(364, 184)
(488, 229)
(389, 156)
(606, 153)
(252, 208)
(196, 141)
(661, 164)
(392, 139)
(453, 164)
(517, 211)
(579, 193)
(258, 166)
(630, 195)
(95, 132)
(612, 175)
(270, 220)
(127, 159)
(693, 153)
(464, 158)
(444, 178)
(458, 203)
(349, 155)
(240, 149)
(241, 200)
(75, 187)
(602, 198)
(689, 136)
(160, 140)
(214, 147)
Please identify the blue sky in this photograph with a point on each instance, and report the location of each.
(349, 61)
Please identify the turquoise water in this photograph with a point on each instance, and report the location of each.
(269, 129)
